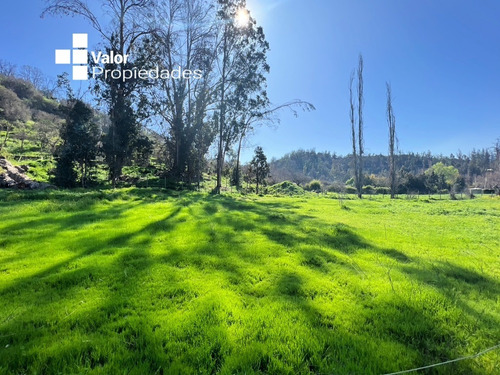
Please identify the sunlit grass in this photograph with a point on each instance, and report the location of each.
(142, 281)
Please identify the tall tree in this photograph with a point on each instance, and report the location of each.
(259, 168)
(127, 27)
(352, 118)
(357, 137)
(391, 122)
(241, 51)
(80, 136)
(359, 180)
(184, 37)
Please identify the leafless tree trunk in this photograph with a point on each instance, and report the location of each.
(357, 136)
(352, 116)
(391, 122)
(360, 127)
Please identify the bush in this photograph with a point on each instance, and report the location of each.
(368, 189)
(382, 190)
(335, 188)
(350, 181)
(286, 188)
(314, 185)
(350, 190)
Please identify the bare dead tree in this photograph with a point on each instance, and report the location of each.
(352, 117)
(359, 182)
(391, 122)
(7, 69)
(357, 134)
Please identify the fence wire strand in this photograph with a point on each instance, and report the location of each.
(447, 362)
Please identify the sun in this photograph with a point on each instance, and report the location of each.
(242, 17)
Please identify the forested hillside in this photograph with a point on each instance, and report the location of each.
(303, 166)
(30, 124)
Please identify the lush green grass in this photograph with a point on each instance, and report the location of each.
(140, 281)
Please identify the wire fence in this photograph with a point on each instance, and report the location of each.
(446, 362)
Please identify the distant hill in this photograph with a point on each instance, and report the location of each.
(27, 115)
(30, 122)
(303, 166)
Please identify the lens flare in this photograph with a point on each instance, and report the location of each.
(242, 17)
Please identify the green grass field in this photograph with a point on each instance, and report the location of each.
(147, 282)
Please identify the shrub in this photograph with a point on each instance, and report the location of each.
(314, 185)
(335, 188)
(286, 188)
(350, 190)
(368, 189)
(382, 190)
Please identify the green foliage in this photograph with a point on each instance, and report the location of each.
(382, 190)
(259, 168)
(449, 173)
(143, 281)
(236, 177)
(302, 166)
(350, 190)
(80, 136)
(29, 122)
(286, 188)
(12, 108)
(350, 181)
(314, 185)
(368, 189)
(65, 174)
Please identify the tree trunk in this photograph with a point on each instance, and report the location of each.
(222, 116)
(5, 139)
(360, 126)
(238, 184)
(391, 121)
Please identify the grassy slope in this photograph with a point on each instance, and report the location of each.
(135, 281)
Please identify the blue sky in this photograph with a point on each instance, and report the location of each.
(442, 59)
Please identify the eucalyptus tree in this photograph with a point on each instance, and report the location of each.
(185, 40)
(242, 68)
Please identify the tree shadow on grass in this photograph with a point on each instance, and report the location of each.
(97, 245)
(319, 242)
(46, 289)
(362, 350)
(139, 344)
(455, 282)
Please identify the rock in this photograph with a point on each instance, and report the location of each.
(15, 177)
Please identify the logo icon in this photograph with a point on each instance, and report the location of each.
(78, 56)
